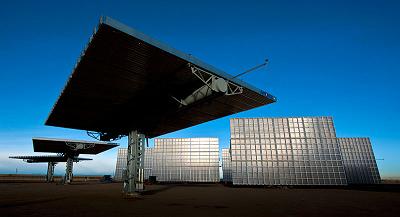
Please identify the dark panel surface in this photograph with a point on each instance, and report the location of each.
(70, 146)
(47, 158)
(125, 80)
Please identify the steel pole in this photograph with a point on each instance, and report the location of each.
(135, 163)
(50, 172)
(68, 171)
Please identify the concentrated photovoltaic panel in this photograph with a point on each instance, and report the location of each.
(285, 151)
(149, 162)
(226, 165)
(70, 146)
(121, 164)
(359, 161)
(124, 77)
(47, 158)
(179, 160)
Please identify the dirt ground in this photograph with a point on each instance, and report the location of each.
(95, 199)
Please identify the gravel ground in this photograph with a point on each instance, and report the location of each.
(95, 199)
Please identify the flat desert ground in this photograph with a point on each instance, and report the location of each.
(97, 199)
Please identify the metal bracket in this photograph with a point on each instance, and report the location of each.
(100, 136)
(207, 77)
(79, 146)
(212, 84)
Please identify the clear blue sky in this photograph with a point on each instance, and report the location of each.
(335, 58)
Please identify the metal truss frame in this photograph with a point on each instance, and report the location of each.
(207, 78)
(68, 170)
(50, 171)
(104, 136)
(79, 146)
(134, 177)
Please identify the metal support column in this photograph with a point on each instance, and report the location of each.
(68, 171)
(135, 163)
(50, 172)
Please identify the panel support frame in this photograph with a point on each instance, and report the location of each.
(50, 171)
(134, 178)
(211, 84)
(206, 78)
(68, 171)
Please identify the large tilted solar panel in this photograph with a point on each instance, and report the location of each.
(149, 162)
(285, 151)
(70, 146)
(121, 163)
(186, 160)
(179, 160)
(359, 161)
(226, 165)
(125, 80)
(48, 158)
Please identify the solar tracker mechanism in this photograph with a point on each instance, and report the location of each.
(67, 151)
(51, 161)
(126, 83)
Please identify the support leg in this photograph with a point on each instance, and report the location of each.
(68, 171)
(50, 172)
(135, 163)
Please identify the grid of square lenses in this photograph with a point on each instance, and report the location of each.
(226, 165)
(285, 151)
(178, 160)
(264, 151)
(359, 161)
(184, 160)
(121, 164)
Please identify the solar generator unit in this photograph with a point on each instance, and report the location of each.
(67, 151)
(126, 83)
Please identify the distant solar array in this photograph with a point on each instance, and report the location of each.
(48, 158)
(69, 146)
(67, 151)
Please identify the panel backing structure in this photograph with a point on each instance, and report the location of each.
(226, 165)
(48, 158)
(67, 151)
(285, 151)
(51, 161)
(123, 77)
(359, 161)
(179, 160)
(70, 147)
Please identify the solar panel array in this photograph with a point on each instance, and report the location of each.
(285, 151)
(121, 164)
(179, 160)
(359, 161)
(265, 151)
(148, 162)
(226, 165)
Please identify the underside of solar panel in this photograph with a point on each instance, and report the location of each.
(68, 146)
(125, 80)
